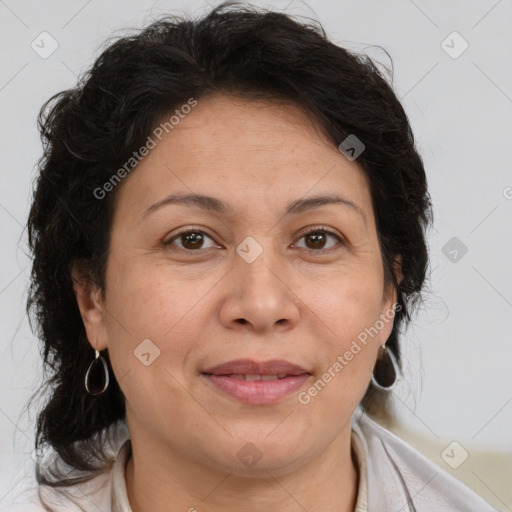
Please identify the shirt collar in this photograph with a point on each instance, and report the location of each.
(362, 488)
(120, 501)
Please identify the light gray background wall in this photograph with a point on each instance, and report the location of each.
(458, 379)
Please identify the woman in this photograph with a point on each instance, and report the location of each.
(228, 232)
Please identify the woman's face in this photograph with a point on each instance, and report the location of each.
(231, 273)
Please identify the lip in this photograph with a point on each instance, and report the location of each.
(261, 391)
(257, 392)
(248, 366)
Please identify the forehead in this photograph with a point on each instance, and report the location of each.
(245, 152)
(235, 123)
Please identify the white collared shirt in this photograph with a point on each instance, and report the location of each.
(392, 476)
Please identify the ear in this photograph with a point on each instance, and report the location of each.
(390, 295)
(90, 304)
(389, 301)
(397, 268)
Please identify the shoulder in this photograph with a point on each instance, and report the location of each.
(93, 494)
(399, 477)
(105, 491)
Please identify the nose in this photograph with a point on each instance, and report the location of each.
(261, 296)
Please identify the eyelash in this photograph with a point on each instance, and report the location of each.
(315, 229)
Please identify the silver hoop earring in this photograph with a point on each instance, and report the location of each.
(384, 372)
(96, 378)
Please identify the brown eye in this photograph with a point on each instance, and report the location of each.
(190, 240)
(316, 239)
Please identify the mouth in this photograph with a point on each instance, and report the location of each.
(278, 367)
(254, 377)
(254, 382)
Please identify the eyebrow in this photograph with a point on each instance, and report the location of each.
(212, 204)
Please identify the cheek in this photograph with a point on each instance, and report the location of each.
(346, 302)
(153, 329)
(153, 299)
(145, 304)
(345, 309)
(346, 351)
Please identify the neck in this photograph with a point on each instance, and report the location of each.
(159, 480)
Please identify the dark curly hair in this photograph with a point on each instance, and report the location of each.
(89, 131)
